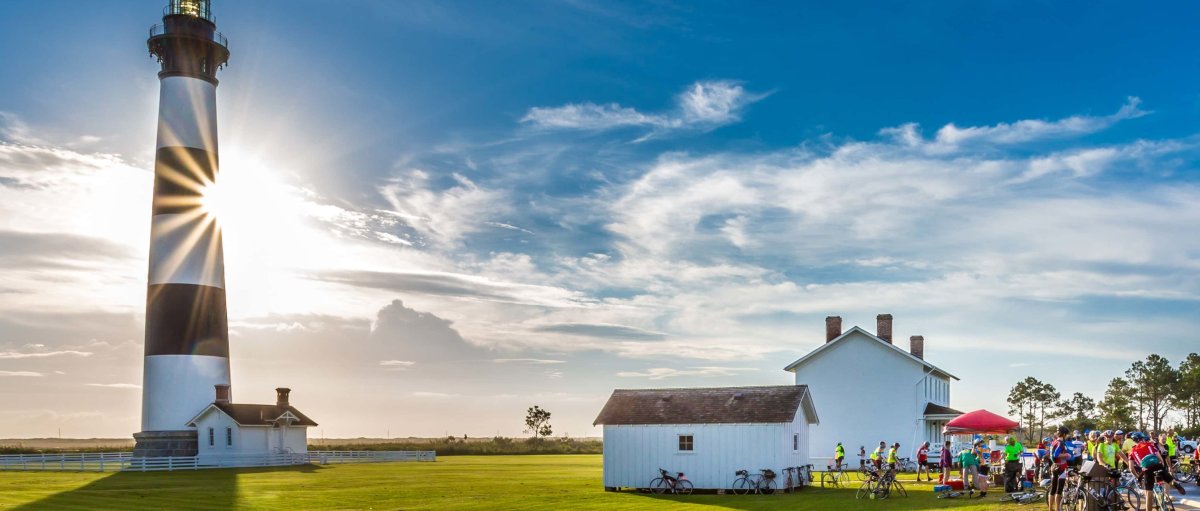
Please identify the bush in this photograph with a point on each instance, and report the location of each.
(493, 446)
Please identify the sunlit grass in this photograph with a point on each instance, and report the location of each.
(458, 482)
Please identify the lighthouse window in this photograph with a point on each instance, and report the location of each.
(210, 437)
(228, 437)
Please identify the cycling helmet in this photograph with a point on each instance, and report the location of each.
(1107, 432)
(1138, 436)
(1120, 432)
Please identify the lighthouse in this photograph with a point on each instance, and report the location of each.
(187, 333)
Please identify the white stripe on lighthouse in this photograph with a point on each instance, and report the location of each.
(186, 249)
(187, 115)
(177, 387)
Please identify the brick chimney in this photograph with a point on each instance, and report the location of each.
(916, 346)
(222, 393)
(281, 396)
(833, 327)
(883, 327)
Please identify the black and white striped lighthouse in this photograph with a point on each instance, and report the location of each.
(187, 334)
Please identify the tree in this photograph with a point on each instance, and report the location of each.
(1078, 411)
(1156, 382)
(537, 422)
(1116, 409)
(1187, 391)
(1035, 403)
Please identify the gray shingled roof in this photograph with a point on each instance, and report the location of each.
(932, 409)
(726, 405)
(260, 415)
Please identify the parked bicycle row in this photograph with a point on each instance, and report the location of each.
(762, 482)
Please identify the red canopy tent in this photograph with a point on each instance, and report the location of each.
(980, 422)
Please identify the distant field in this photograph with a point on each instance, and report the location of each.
(461, 482)
(445, 446)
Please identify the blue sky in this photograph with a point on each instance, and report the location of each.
(444, 203)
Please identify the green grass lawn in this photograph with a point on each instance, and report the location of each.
(457, 482)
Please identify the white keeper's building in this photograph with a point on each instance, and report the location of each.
(872, 391)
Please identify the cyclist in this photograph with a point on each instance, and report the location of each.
(839, 454)
(923, 462)
(969, 459)
(1060, 457)
(1106, 451)
(862, 456)
(1093, 439)
(891, 456)
(1012, 464)
(945, 463)
(1172, 444)
(1146, 459)
(877, 455)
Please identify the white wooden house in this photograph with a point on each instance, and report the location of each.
(706, 433)
(873, 390)
(226, 431)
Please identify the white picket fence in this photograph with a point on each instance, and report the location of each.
(124, 461)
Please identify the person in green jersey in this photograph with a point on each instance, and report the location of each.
(877, 455)
(839, 454)
(1012, 464)
(1093, 440)
(1106, 452)
(891, 456)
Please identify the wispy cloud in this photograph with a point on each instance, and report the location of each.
(115, 385)
(397, 365)
(44, 354)
(662, 373)
(528, 361)
(31, 374)
(703, 105)
(951, 137)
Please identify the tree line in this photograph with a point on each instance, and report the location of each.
(1149, 390)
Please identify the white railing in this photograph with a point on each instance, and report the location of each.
(327, 457)
(124, 461)
(81, 462)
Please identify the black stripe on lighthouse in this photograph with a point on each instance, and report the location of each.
(180, 177)
(185, 319)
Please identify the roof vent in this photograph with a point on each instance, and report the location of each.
(666, 397)
(738, 395)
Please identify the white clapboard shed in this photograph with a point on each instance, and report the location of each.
(706, 433)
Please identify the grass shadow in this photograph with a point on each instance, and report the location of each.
(207, 489)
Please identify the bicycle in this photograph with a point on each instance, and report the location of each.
(763, 482)
(790, 472)
(1076, 496)
(893, 484)
(1184, 470)
(1130, 488)
(1162, 496)
(665, 483)
(1028, 496)
(833, 476)
(906, 465)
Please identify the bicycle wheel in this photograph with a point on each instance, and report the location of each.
(1009, 497)
(659, 485)
(899, 489)
(861, 473)
(1132, 496)
(741, 486)
(865, 489)
(1070, 497)
(768, 487)
(829, 479)
(684, 487)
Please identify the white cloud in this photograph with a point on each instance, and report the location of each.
(951, 137)
(115, 385)
(43, 354)
(443, 217)
(703, 105)
(398, 365)
(528, 361)
(662, 373)
(22, 373)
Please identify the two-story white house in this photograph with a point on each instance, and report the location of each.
(872, 391)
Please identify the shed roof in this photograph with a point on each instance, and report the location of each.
(257, 415)
(934, 409)
(723, 405)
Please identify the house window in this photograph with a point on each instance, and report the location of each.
(228, 437)
(686, 443)
(210, 437)
(795, 441)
